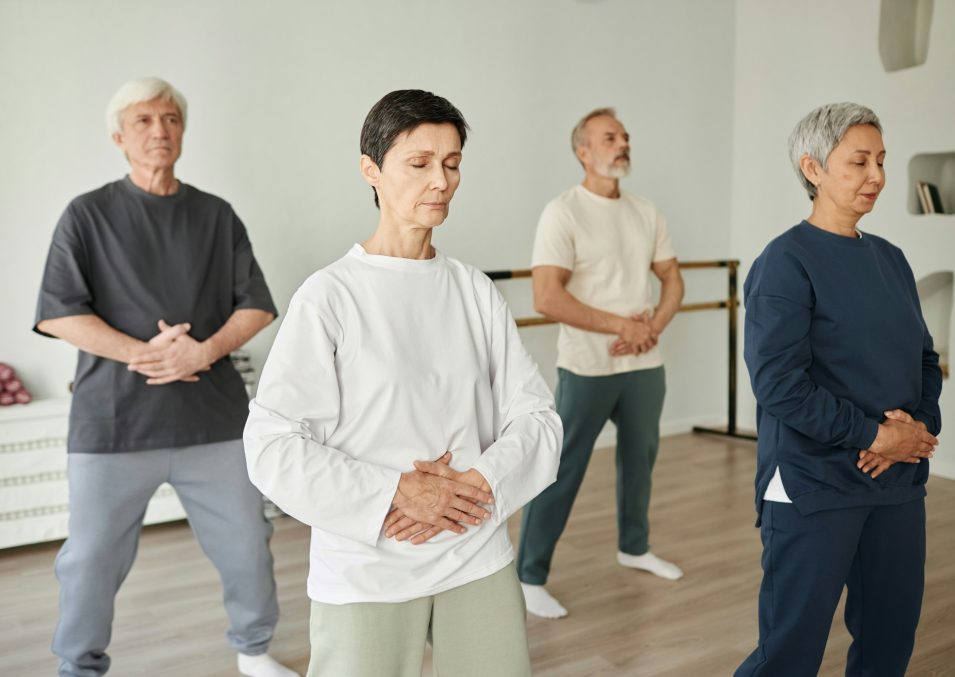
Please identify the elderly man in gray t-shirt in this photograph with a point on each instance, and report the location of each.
(155, 282)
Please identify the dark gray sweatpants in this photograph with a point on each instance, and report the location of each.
(633, 401)
(108, 498)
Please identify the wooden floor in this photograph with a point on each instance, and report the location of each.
(170, 622)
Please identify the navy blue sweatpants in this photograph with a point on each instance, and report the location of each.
(878, 553)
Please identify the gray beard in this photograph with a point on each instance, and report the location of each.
(614, 172)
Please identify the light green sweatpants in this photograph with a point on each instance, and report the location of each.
(475, 629)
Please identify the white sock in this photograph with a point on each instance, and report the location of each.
(541, 603)
(263, 665)
(650, 562)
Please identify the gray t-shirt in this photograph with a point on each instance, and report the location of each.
(133, 258)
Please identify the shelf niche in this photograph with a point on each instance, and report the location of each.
(937, 169)
(904, 27)
(935, 294)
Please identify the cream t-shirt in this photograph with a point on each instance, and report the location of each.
(609, 245)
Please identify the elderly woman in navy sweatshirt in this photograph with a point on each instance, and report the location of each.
(847, 386)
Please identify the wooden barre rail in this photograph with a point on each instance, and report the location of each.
(685, 308)
(730, 303)
(526, 272)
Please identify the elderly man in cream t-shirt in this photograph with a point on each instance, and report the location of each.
(593, 255)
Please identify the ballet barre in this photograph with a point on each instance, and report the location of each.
(730, 304)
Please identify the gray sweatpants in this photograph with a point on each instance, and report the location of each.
(108, 498)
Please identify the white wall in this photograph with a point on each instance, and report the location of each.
(277, 95)
(792, 57)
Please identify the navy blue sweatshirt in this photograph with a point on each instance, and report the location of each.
(834, 338)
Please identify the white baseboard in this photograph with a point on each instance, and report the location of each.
(940, 468)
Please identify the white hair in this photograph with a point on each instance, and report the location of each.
(577, 134)
(817, 135)
(136, 91)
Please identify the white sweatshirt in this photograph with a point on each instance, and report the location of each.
(381, 361)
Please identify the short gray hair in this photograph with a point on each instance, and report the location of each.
(577, 135)
(136, 91)
(817, 134)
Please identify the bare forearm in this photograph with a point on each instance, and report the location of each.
(671, 296)
(561, 306)
(92, 335)
(238, 329)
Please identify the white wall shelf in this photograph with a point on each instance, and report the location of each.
(904, 27)
(937, 169)
(935, 294)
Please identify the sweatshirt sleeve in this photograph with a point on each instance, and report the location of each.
(295, 410)
(928, 411)
(522, 461)
(778, 354)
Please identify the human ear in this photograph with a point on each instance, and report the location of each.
(810, 169)
(582, 153)
(369, 170)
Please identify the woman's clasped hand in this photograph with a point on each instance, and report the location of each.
(433, 498)
(901, 439)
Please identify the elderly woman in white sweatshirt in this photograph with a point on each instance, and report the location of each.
(399, 415)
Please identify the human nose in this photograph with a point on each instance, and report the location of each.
(159, 129)
(439, 178)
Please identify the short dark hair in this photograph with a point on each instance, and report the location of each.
(402, 111)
